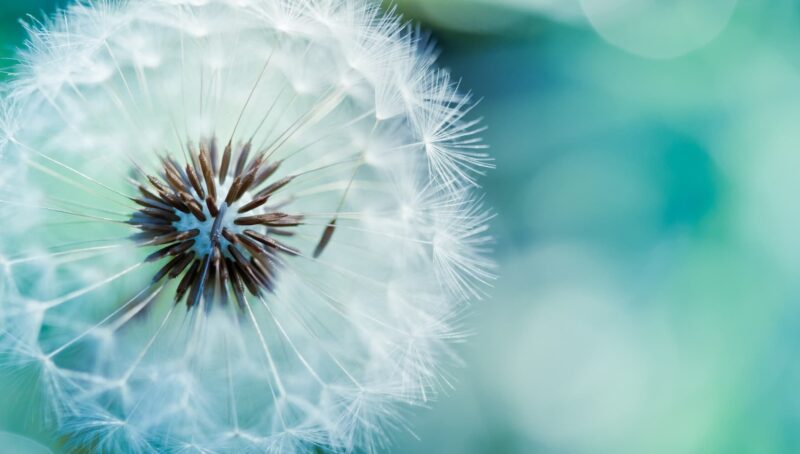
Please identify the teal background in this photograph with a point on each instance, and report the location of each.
(647, 182)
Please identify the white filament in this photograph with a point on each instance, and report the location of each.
(347, 98)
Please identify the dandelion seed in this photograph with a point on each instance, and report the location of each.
(234, 225)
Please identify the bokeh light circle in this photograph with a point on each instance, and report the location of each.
(21, 445)
(659, 29)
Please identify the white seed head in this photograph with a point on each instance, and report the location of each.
(234, 225)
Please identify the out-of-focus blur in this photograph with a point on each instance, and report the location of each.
(648, 225)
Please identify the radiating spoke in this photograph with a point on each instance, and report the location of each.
(123, 307)
(88, 289)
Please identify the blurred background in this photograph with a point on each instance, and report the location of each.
(648, 228)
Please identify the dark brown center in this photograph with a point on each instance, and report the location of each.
(213, 223)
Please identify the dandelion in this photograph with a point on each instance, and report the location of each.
(234, 225)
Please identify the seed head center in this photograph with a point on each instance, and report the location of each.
(213, 223)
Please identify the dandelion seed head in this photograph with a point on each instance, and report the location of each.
(235, 225)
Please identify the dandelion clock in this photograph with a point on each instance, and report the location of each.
(233, 225)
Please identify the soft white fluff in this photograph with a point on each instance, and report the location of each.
(349, 97)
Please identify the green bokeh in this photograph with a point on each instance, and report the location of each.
(647, 230)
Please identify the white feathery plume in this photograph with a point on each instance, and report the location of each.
(235, 225)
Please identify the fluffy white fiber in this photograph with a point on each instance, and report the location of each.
(347, 98)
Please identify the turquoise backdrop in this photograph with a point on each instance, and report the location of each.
(647, 229)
